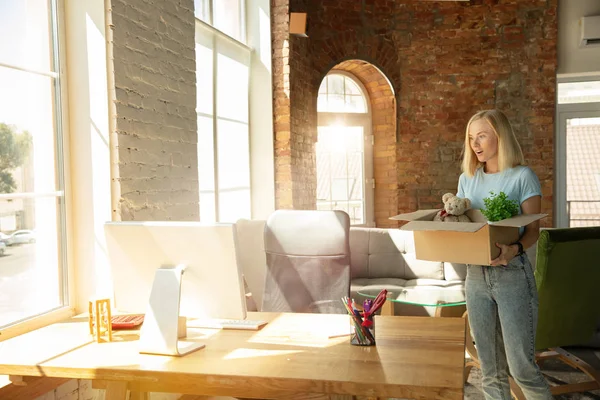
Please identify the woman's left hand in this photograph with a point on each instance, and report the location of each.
(507, 253)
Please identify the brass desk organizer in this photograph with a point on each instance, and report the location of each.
(99, 320)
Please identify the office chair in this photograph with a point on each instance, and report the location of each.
(308, 261)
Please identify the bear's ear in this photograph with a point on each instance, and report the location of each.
(446, 197)
(468, 203)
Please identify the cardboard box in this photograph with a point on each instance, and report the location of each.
(462, 242)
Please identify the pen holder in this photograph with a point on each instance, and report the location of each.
(360, 335)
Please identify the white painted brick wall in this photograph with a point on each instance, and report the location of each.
(155, 78)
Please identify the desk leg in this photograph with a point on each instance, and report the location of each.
(453, 311)
(116, 390)
(139, 396)
(387, 308)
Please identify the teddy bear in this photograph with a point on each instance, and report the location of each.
(454, 209)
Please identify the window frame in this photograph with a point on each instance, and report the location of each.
(62, 161)
(565, 111)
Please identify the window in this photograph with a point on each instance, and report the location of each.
(578, 92)
(577, 143)
(222, 81)
(339, 93)
(225, 15)
(345, 149)
(32, 202)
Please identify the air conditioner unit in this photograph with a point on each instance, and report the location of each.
(590, 31)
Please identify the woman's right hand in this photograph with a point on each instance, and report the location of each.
(507, 253)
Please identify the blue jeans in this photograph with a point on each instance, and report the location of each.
(502, 303)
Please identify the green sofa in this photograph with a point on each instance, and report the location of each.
(568, 280)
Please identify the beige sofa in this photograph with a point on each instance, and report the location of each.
(385, 258)
(379, 258)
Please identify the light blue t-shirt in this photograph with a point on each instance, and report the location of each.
(519, 183)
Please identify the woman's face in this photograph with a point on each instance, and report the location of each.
(483, 140)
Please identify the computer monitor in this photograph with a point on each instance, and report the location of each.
(212, 284)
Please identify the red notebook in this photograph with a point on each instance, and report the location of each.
(126, 321)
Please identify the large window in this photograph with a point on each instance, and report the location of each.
(577, 147)
(32, 200)
(225, 15)
(345, 149)
(222, 81)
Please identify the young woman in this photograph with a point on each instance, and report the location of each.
(502, 300)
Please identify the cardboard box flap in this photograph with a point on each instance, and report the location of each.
(518, 220)
(443, 226)
(420, 215)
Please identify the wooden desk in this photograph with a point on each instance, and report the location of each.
(292, 356)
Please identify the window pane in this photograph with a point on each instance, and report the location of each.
(233, 205)
(339, 93)
(322, 105)
(335, 103)
(29, 258)
(27, 121)
(351, 87)
(583, 171)
(227, 18)
(339, 189)
(335, 84)
(323, 87)
(202, 10)
(204, 79)
(578, 92)
(356, 212)
(25, 33)
(206, 169)
(234, 171)
(323, 176)
(355, 104)
(355, 171)
(234, 158)
(232, 92)
(340, 165)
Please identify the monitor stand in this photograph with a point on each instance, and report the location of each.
(160, 331)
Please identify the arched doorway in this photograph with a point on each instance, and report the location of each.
(356, 144)
(344, 148)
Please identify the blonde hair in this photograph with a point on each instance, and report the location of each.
(509, 151)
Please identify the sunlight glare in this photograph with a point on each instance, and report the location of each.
(99, 132)
(251, 353)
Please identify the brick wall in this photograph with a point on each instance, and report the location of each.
(303, 120)
(281, 103)
(445, 61)
(294, 154)
(155, 101)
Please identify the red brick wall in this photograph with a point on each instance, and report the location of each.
(445, 61)
(295, 159)
(303, 126)
(281, 103)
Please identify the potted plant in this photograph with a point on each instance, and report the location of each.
(499, 207)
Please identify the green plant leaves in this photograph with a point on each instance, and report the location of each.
(499, 206)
